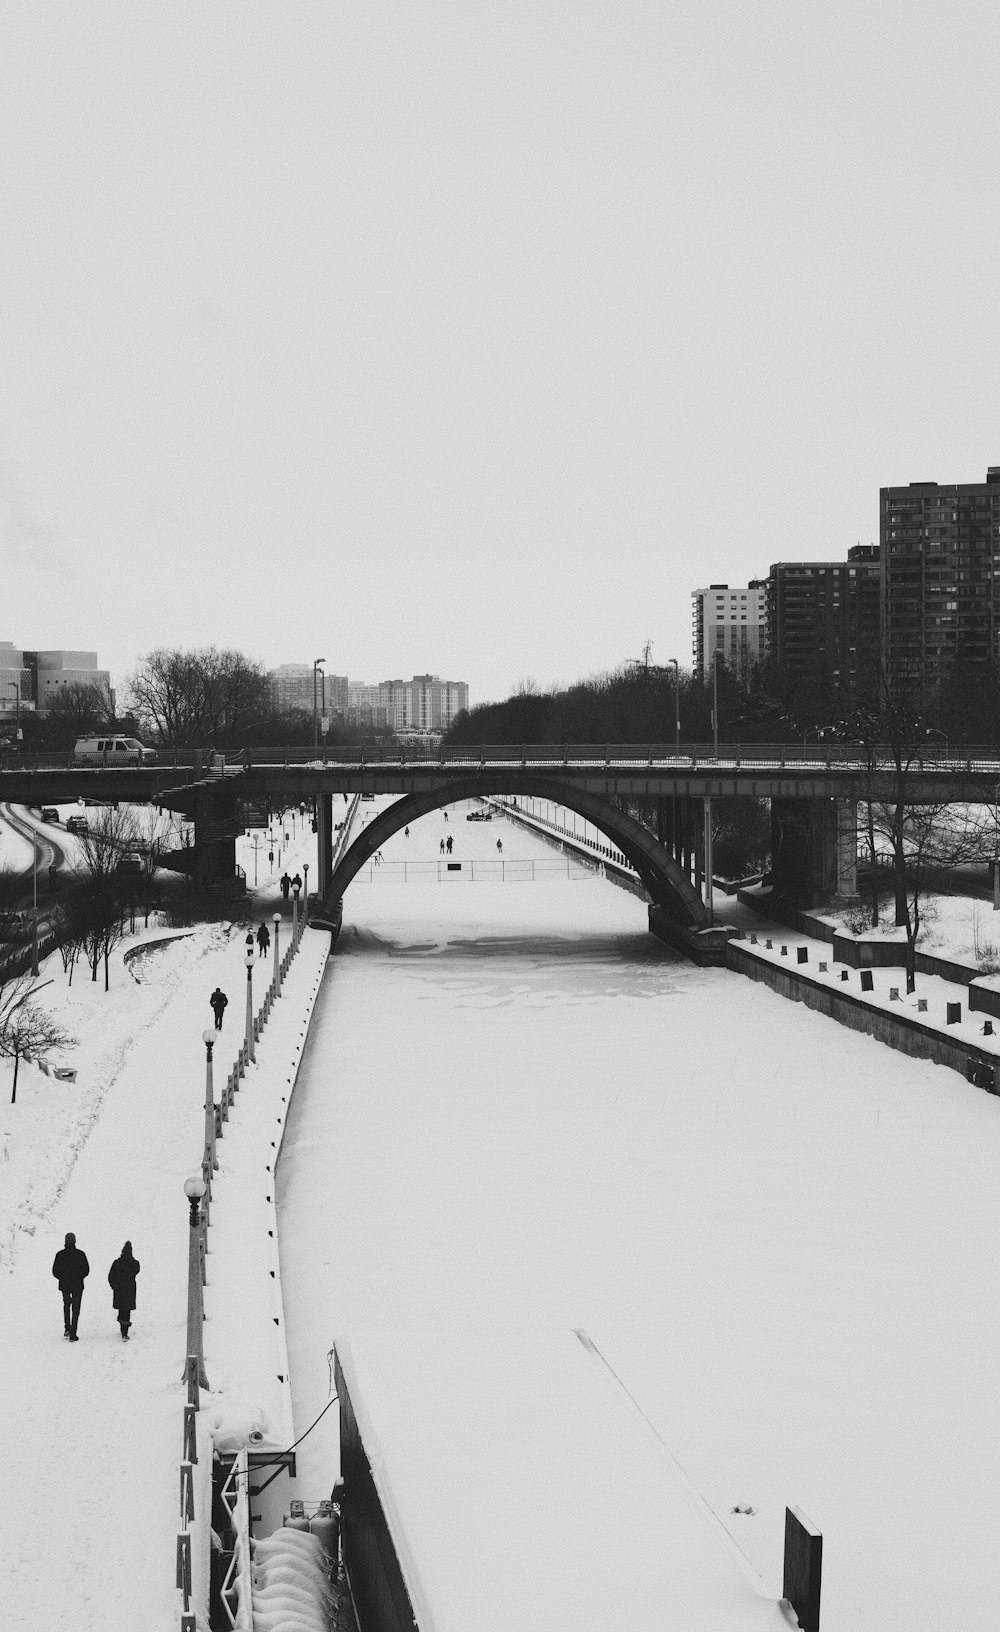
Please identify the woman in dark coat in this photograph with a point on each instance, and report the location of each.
(121, 1279)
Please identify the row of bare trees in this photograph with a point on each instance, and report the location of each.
(112, 888)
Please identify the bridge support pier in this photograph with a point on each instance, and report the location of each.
(215, 832)
(324, 843)
(814, 849)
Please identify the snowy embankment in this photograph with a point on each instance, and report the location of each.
(95, 1429)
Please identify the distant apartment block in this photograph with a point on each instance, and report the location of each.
(292, 687)
(35, 679)
(425, 703)
(732, 622)
(940, 576)
(823, 617)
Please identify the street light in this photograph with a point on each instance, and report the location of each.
(249, 963)
(14, 686)
(677, 703)
(208, 1038)
(194, 1189)
(276, 921)
(296, 887)
(305, 896)
(316, 664)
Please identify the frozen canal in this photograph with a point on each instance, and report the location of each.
(519, 1112)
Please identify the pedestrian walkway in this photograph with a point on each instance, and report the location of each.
(95, 1429)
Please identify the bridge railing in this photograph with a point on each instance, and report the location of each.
(963, 758)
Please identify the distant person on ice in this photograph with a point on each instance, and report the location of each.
(220, 1003)
(449, 844)
(263, 940)
(441, 848)
(121, 1279)
(500, 846)
(286, 885)
(70, 1268)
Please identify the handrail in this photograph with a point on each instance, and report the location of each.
(184, 1568)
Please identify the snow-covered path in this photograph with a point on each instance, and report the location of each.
(92, 1440)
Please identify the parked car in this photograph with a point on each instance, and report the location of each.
(77, 824)
(112, 751)
(49, 813)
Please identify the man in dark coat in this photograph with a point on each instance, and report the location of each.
(220, 1003)
(70, 1268)
(286, 885)
(263, 940)
(121, 1279)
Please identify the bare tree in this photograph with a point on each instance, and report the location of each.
(107, 886)
(206, 695)
(922, 838)
(26, 1030)
(82, 707)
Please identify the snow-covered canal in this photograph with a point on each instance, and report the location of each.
(520, 1113)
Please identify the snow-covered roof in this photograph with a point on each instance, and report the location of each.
(517, 1460)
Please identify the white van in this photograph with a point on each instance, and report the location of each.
(111, 751)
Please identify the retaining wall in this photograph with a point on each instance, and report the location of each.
(900, 1031)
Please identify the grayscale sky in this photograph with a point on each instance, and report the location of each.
(473, 337)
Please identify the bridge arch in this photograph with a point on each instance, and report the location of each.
(664, 881)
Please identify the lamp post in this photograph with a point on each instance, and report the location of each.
(305, 896)
(276, 921)
(34, 902)
(677, 703)
(194, 1189)
(208, 1038)
(316, 664)
(15, 687)
(296, 887)
(249, 963)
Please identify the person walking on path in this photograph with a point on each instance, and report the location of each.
(297, 882)
(286, 885)
(121, 1279)
(449, 844)
(220, 1003)
(263, 940)
(441, 848)
(70, 1268)
(500, 847)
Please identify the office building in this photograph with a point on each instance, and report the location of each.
(34, 680)
(730, 622)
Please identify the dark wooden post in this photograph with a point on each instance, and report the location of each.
(803, 1567)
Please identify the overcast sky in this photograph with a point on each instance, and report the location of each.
(472, 337)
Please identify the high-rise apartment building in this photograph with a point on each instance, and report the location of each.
(292, 688)
(732, 622)
(823, 617)
(940, 577)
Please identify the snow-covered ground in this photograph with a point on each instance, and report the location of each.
(93, 1430)
(520, 1113)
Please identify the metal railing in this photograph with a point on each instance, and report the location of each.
(370, 756)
